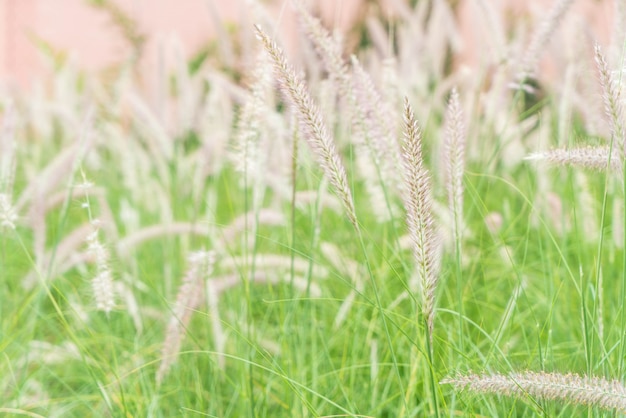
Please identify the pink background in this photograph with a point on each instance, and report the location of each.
(93, 42)
(88, 36)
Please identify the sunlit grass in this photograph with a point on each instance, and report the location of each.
(311, 304)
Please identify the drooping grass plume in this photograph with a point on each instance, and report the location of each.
(569, 388)
(227, 235)
(275, 263)
(418, 202)
(314, 130)
(190, 295)
(33, 198)
(372, 120)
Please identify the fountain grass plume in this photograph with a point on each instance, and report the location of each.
(454, 143)
(418, 203)
(612, 101)
(311, 124)
(571, 388)
(594, 158)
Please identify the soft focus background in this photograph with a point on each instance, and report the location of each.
(193, 225)
(96, 35)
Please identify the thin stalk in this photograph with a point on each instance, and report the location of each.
(620, 367)
(382, 313)
(620, 360)
(246, 286)
(459, 288)
(431, 368)
(409, 393)
(598, 270)
(294, 167)
(292, 274)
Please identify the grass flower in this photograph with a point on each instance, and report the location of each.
(314, 130)
(595, 158)
(419, 215)
(8, 217)
(189, 297)
(569, 388)
(302, 316)
(612, 102)
(454, 144)
(102, 283)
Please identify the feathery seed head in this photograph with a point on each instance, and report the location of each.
(455, 159)
(595, 158)
(612, 102)
(582, 390)
(189, 297)
(102, 283)
(8, 217)
(310, 121)
(420, 219)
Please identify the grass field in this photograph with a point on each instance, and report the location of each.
(320, 236)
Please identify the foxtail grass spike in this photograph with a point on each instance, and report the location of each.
(455, 159)
(314, 130)
(420, 221)
(612, 102)
(570, 388)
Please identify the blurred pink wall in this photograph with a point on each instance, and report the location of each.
(95, 43)
(595, 18)
(90, 38)
(88, 34)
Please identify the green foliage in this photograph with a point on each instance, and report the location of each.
(303, 311)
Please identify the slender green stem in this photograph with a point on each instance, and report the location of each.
(431, 367)
(620, 361)
(383, 315)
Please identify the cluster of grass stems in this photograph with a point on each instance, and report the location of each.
(375, 235)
